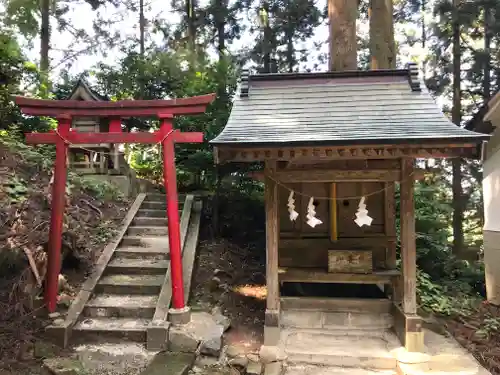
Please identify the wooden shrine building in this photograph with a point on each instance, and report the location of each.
(91, 159)
(340, 142)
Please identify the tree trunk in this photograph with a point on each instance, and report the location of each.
(290, 51)
(458, 232)
(220, 26)
(142, 28)
(191, 27)
(267, 40)
(44, 47)
(343, 45)
(488, 23)
(382, 44)
(142, 48)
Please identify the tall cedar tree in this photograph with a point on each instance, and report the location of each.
(343, 46)
(382, 44)
(458, 204)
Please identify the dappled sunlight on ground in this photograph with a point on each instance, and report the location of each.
(256, 291)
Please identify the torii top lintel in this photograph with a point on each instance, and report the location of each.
(64, 110)
(136, 108)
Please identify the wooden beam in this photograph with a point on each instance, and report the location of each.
(272, 235)
(239, 154)
(77, 138)
(315, 275)
(315, 175)
(408, 246)
(111, 112)
(42, 107)
(337, 175)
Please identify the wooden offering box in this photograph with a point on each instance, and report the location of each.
(350, 261)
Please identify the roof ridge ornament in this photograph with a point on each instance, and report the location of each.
(413, 78)
(244, 83)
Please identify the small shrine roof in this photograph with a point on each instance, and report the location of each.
(338, 108)
(82, 91)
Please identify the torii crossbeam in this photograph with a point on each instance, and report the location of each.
(64, 111)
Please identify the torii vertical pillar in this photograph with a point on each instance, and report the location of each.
(179, 313)
(57, 214)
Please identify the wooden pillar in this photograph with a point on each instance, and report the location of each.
(390, 231)
(408, 247)
(271, 333)
(411, 329)
(390, 223)
(170, 177)
(57, 215)
(115, 126)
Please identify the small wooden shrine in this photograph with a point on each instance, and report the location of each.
(334, 147)
(91, 158)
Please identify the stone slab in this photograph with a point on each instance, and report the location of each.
(203, 329)
(114, 358)
(320, 370)
(63, 366)
(157, 335)
(166, 363)
(328, 320)
(364, 349)
(275, 368)
(254, 368)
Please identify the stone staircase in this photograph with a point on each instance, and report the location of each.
(131, 285)
(336, 336)
(340, 333)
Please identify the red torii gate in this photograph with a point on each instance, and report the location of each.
(64, 111)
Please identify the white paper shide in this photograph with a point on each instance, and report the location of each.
(362, 217)
(312, 220)
(291, 207)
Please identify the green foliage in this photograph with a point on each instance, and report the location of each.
(489, 327)
(99, 189)
(441, 299)
(41, 156)
(16, 189)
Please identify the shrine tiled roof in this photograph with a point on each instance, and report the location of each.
(338, 108)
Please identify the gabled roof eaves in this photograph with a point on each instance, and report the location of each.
(338, 108)
(93, 94)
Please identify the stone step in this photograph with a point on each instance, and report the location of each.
(333, 370)
(327, 320)
(130, 284)
(154, 213)
(147, 231)
(104, 329)
(137, 266)
(443, 364)
(358, 305)
(151, 205)
(162, 197)
(363, 349)
(157, 242)
(149, 221)
(142, 252)
(121, 306)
